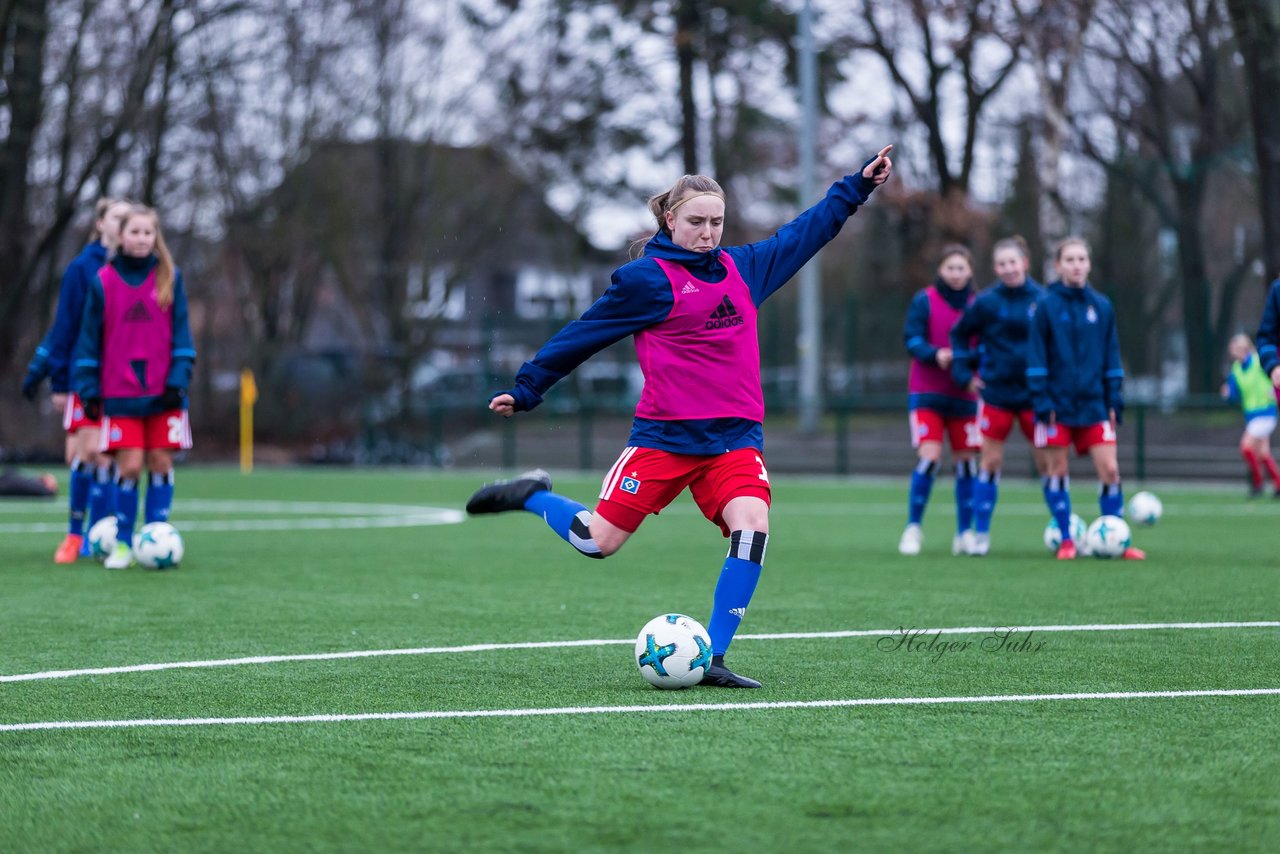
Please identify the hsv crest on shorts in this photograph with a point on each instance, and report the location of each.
(630, 484)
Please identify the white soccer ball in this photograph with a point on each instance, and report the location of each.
(1053, 535)
(673, 651)
(158, 545)
(102, 537)
(1108, 537)
(1145, 508)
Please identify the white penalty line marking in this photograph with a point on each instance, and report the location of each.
(492, 647)
(665, 708)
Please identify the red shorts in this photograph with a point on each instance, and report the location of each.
(166, 430)
(929, 425)
(73, 415)
(645, 480)
(1083, 438)
(997, 423)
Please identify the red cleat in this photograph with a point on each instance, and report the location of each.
(1067, 551)
(69, 549)
(1132, 553)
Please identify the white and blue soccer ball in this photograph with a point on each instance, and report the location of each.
(1108, 537)
(103, 536)
(158, 545)
(1053, 534)
(1145, 508)
(673, 651)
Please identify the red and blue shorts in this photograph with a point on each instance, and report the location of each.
(997, 423)
(1083, 437)
(645, 480)
(73, 418)
(164, 431)
(930, 425)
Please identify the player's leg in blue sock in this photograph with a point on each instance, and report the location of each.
(81, 484)
(102, 497)
(738, 579)
(126, 509)
(965, 471)
(569, 519)
(986, 490)
(1111, 499)
(159, 498)
(1057, 493)
(921, 485)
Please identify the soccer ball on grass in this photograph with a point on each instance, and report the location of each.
(1108, 537)
(1053, 534)
(673, 651)
(158, 545)
(1145, 508)
(102, 537)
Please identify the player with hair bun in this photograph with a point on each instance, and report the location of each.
(692, 306)
(938, 409)
(133, 366)
(1076, 383)
(990, 357)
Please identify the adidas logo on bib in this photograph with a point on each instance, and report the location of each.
(724, 316)
(689, 288)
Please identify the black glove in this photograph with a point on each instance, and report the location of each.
(171, 399)
(31, 385)
(92, 408)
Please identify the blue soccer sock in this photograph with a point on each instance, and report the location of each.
(921, 486)
(102, 496)
(126, 509)
(81, 484)
(985, 492)
(738, 579)
(965, 471)
(569, 519)
(1111, 499)
(159, 497)
(1057, 494)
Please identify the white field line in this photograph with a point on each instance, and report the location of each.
(563, 644)
(666, 708)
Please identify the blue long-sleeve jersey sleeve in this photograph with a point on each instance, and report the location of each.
(53, 357)
(964, 358)
(182, 352)
(769, 264)
(1268, 336)
(86, 372)
(1038, 363)
(915, 330)
(631, 304)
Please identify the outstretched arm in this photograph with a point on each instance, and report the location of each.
(771, 263)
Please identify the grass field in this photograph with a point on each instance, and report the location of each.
(988, 749)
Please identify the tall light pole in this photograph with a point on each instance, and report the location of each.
(809, 340)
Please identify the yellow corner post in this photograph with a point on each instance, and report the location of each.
(248, 397)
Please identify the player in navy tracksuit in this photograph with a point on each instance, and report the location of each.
(1268, 336)
(989, 344)
(1076, 384)
(692, 307)
(939, 409)
(91, 489)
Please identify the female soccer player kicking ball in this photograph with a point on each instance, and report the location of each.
(692, 307)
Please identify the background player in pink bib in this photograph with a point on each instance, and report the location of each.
(133, 365)
(691, 305)
(938, 409)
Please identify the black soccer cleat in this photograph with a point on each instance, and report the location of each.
(719, 676)
(503, 495)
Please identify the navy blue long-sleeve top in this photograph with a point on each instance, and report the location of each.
(54, 354)
(1073, 357)
(639, 296)
(88, 353)
(998, 320)
(1269, 330)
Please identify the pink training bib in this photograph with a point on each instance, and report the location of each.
(137, 337)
